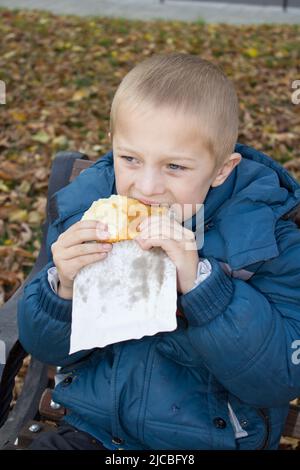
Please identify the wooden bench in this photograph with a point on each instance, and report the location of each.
(34, 411)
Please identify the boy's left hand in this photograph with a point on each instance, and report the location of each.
(179, 244)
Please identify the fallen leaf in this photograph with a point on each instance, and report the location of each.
(80, 95)
(41, 137)
(19, 215)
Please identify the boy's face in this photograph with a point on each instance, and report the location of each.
(165, 163)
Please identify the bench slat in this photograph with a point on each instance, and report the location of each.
(78, 167)
(292, 425)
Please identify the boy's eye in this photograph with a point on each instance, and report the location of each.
(128, 159)
(172, 166)
(176, 167)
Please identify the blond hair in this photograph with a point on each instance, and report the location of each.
(188, 84)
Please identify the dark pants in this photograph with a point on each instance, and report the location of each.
(66, 437)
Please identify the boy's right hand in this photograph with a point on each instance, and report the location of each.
(71, 253)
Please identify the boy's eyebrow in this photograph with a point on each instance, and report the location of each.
(174, 157)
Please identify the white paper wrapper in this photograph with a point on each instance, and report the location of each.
(130, 294)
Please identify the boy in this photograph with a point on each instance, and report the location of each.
(224, 378)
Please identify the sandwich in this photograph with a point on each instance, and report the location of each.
(122, 214)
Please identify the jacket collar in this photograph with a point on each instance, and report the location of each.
(247, 206)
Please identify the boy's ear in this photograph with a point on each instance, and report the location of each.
(226, 169)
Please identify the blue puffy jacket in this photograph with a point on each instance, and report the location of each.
(171, 390)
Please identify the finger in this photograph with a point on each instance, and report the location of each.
(83, 235)
(165, 232)
(167, 245)
(161, 221)
(84, 224)
(82, 261)
(163, 242)
(86, 249)
(167, 227)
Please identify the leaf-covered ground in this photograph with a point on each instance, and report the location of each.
(61, 73)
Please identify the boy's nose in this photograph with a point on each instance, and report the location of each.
(150, 185)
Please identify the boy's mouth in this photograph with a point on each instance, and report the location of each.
(147, 202)
(150, 203)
